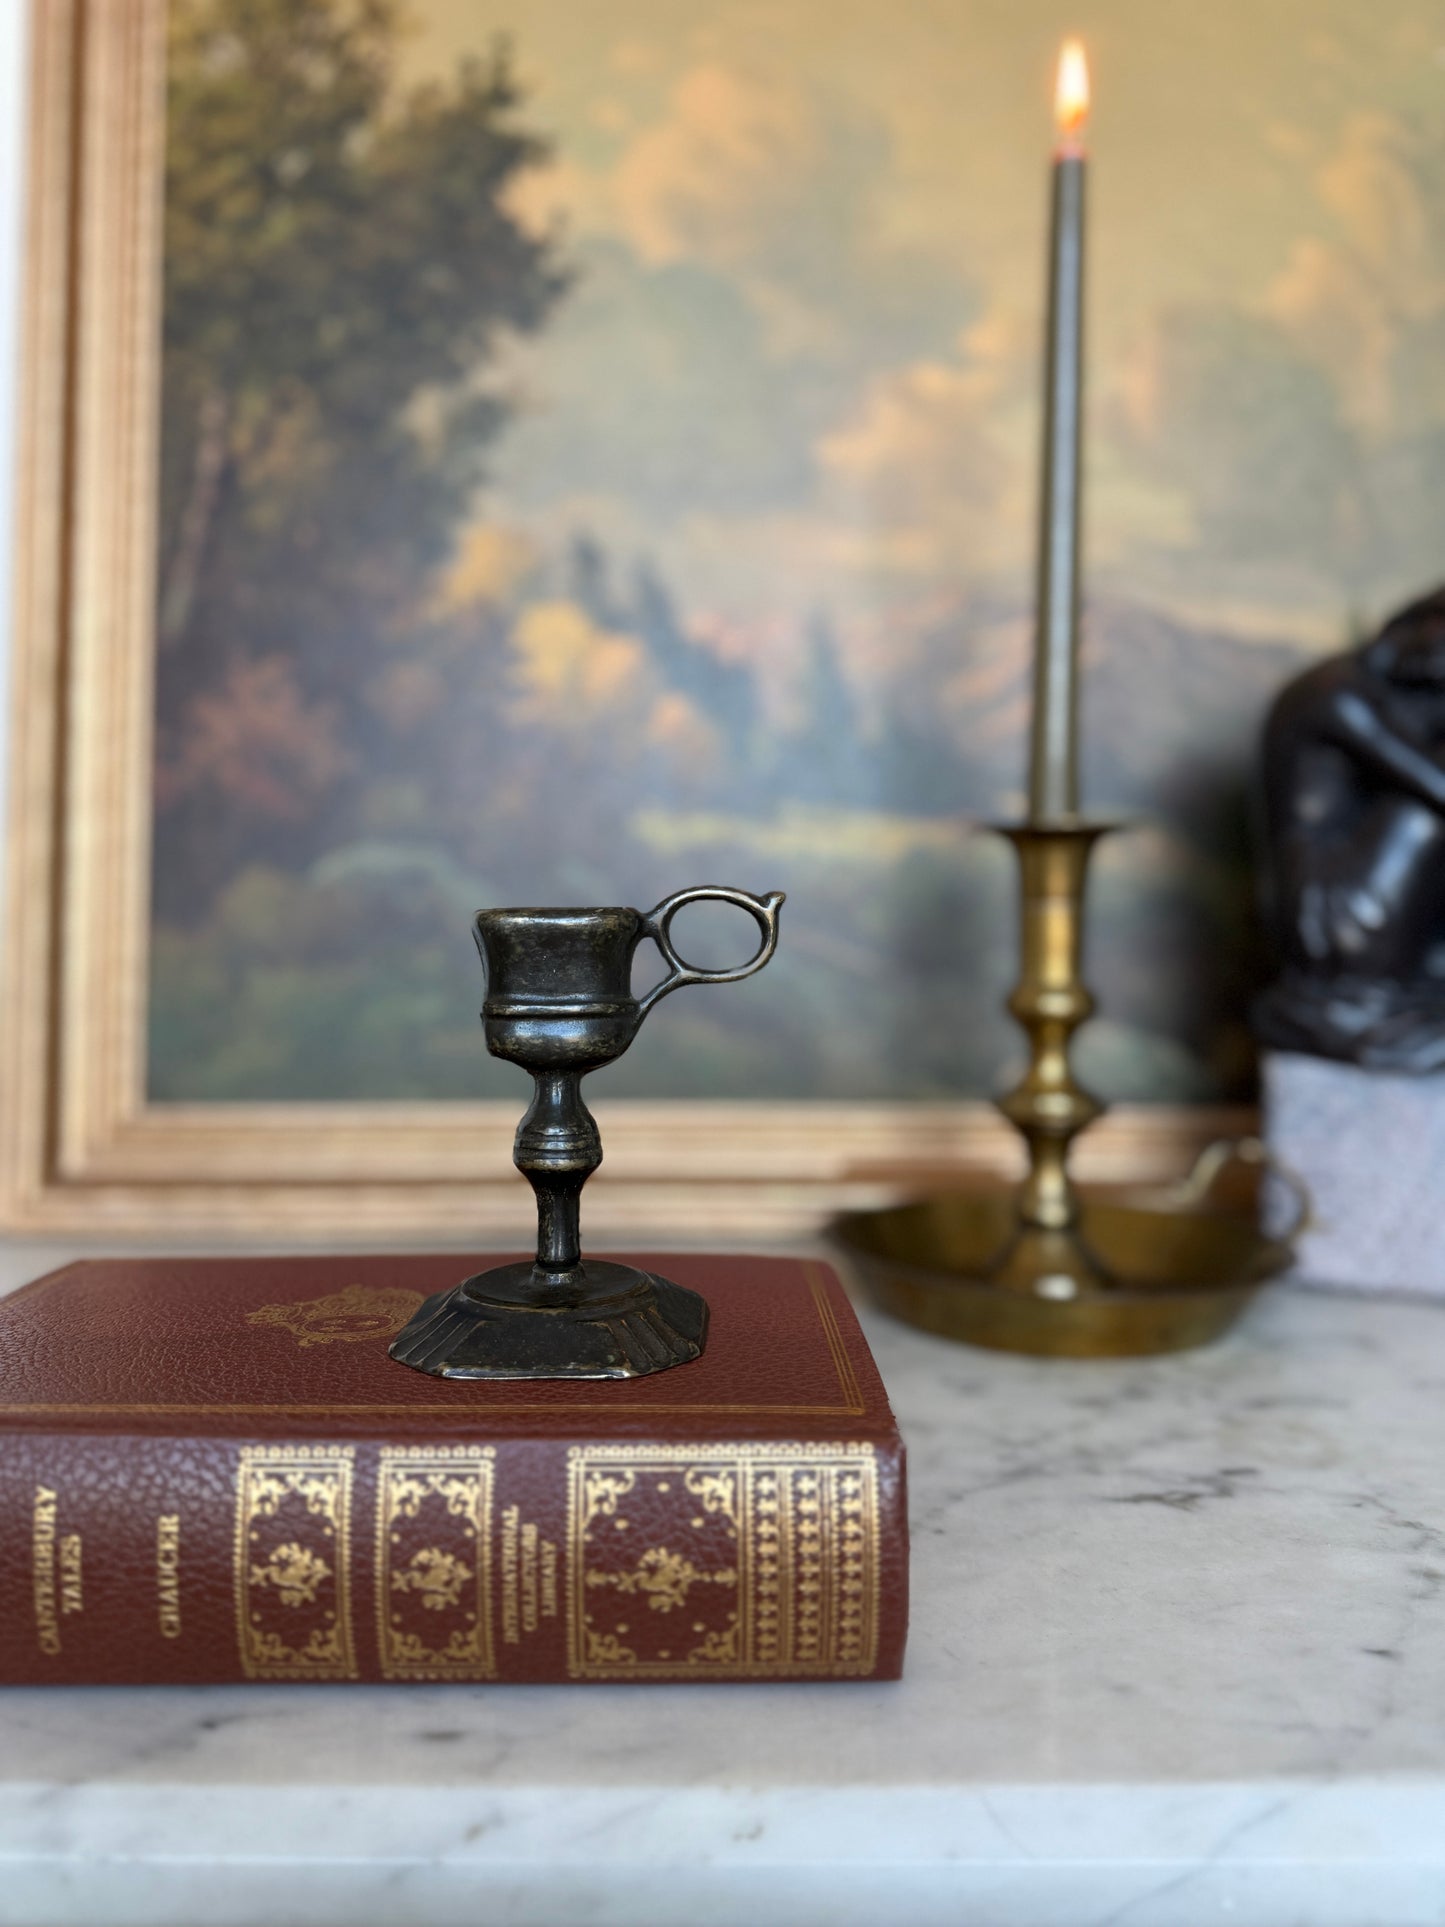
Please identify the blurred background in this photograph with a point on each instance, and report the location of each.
(598, 455)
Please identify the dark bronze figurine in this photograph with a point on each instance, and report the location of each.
(559, 1003)
(1354, 818)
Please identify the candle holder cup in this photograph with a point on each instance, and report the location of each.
(559, 1003)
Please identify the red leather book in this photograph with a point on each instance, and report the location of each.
(211, 1470)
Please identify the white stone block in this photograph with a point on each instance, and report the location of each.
(1370, 1148)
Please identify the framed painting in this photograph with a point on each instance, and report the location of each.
(476, 454)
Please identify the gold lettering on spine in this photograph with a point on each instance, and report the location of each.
(530, 1542)
(773, 1570)
(511, 1533)
(72, 1595)
(168, 1574)
(292, 1561)
(549, 1579)
(42, 1558)
(434, 1561)
(529, 1576)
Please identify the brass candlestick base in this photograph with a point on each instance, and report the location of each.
(1042, 1270)
(1185, 1268)
(1057, 1265)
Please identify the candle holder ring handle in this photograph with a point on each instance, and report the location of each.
(657, 924)
(1289, 1205)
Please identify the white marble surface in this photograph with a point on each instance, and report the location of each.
(1178, 1655)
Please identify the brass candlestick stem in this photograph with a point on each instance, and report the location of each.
(1048, 1257)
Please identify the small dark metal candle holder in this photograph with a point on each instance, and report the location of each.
(559, 1003)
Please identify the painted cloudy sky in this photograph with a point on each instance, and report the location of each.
(800, 362)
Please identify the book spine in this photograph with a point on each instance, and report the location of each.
(134, 1560)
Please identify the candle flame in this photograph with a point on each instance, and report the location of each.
(1071, 97)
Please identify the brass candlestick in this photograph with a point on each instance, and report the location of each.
(1041, 1268)
(1044, 1270)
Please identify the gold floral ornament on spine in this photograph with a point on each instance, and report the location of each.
(772, 1571)
(293, 1561)
(434, 1562)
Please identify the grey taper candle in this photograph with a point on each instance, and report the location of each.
(1054, 750)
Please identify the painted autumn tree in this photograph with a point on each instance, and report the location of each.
(340, 267)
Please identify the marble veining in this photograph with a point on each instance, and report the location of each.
(1177, 1653)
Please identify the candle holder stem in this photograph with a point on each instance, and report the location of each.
(557, 1149)
(1046, 1256)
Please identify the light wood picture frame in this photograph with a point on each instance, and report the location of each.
(83, 1151)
